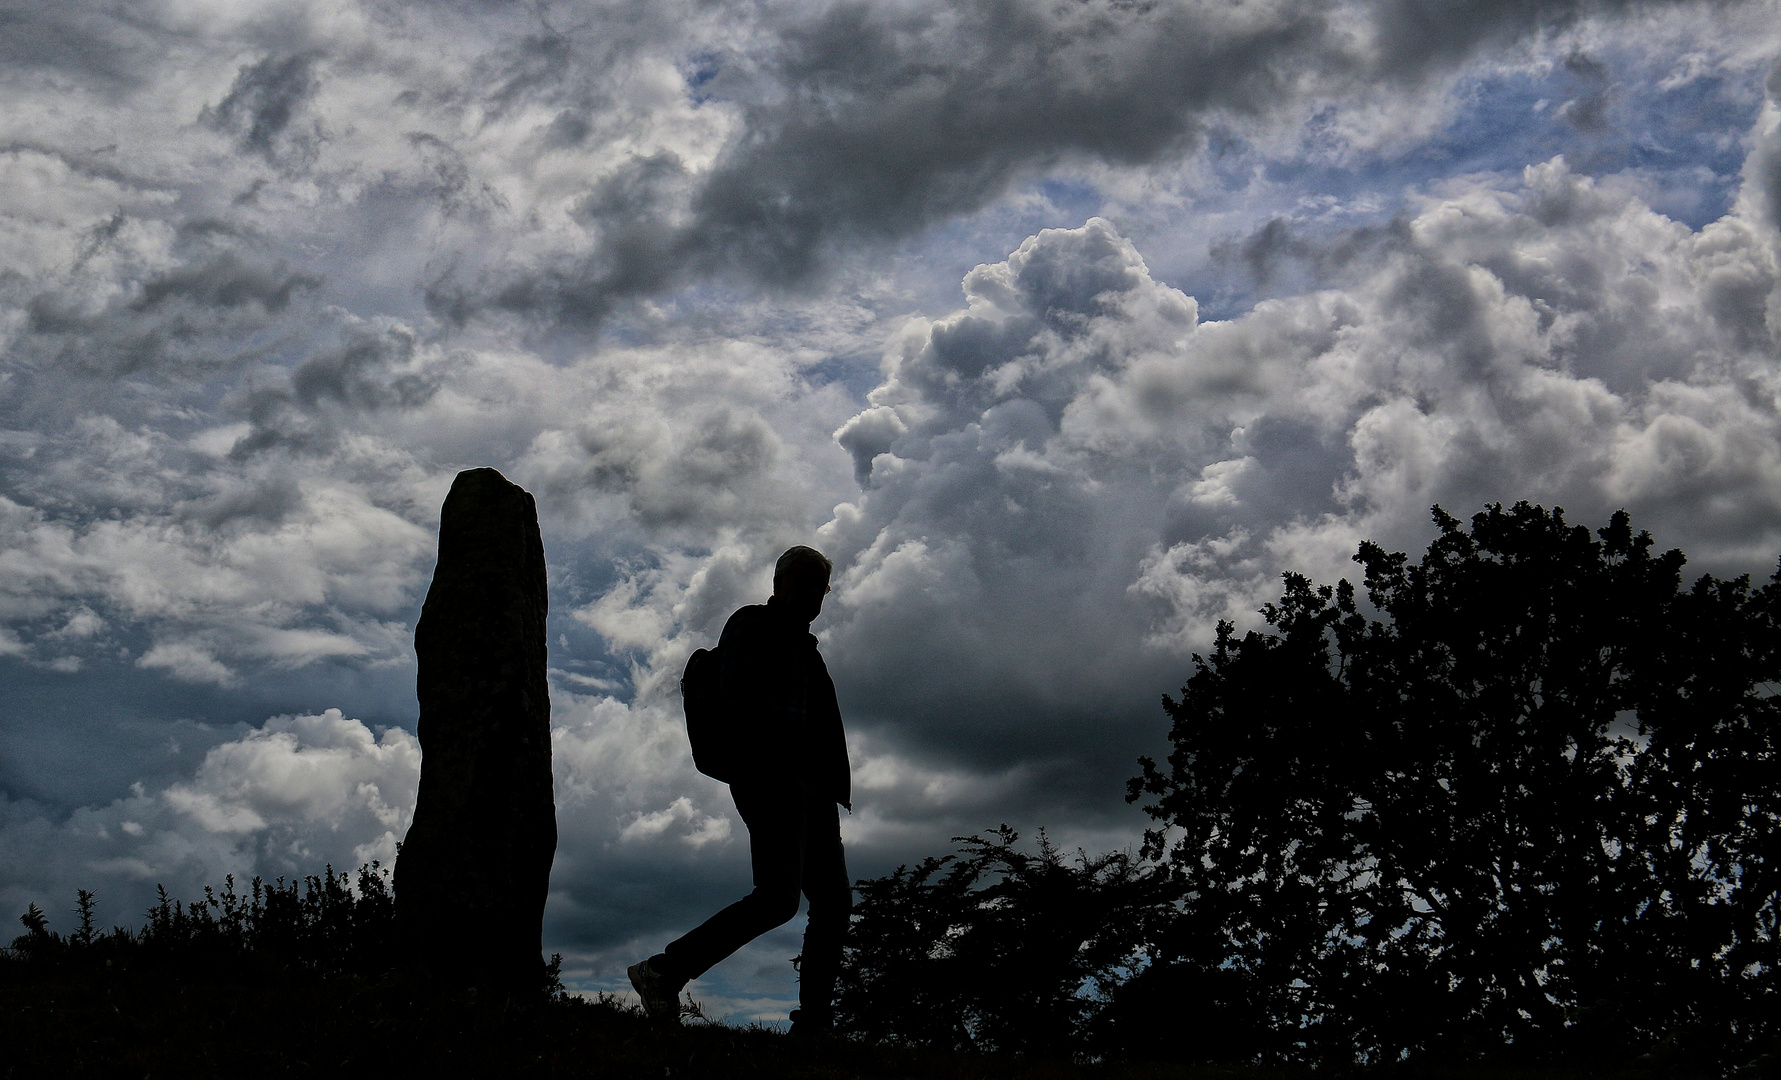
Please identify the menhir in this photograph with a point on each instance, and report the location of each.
(474, 871)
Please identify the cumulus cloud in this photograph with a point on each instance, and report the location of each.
(702, 472)
(278, 575)
(1075, 443)
(1252, 283)
(281, 800)
(859, 124)
(1067, 481)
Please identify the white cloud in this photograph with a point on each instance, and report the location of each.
(305, 772)
(281, 800)
(319, 580)
(1074, 443)
(188, 662)
(700, 829)
(271, 274)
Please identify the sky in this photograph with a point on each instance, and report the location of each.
(1064, 327)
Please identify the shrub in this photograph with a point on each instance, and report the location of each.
(995, 948)
(1534, 806)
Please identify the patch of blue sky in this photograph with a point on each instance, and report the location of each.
(583, 660)
(582, 571)
(857, 372)
(77, 739)
(1681, 141)
(1687, 139)
(699, 71)
(1071, 199)
(930, 265)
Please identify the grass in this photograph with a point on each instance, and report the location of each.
(121, 1019)
(139, 1021)
(282, 981)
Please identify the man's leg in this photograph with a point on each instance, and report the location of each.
(830, 892)
(775, 845)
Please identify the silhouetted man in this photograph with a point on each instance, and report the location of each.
(789, 773)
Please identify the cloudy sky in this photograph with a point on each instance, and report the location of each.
(1063, 326)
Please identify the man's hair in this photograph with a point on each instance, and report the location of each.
(802, 564)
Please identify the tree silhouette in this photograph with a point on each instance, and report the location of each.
(1531, 807)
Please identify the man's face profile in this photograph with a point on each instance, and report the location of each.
(803, 592)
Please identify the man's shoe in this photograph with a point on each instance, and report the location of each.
(660, 994)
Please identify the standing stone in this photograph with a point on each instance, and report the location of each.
(473, 873)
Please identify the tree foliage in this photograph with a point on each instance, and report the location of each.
(1530, 801)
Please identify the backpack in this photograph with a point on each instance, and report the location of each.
(714, 752)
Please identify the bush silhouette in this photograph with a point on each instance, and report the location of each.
(1524, 803)
(328, 924)
(1530, 808)
(256, 984)
(995, 948)
(1527, 805)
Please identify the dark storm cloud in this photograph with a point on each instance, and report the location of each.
(639, 251)
(452, 184)
(1415, 36)
(1588, 111)
(227, 280)
(1266, 251)
(1281, 248)
(1061, 485)
(88, 39)
(268, 502)
(701, 473)
(363, 374)
(866, 123)
(370, 371)
(263, 100)
(198, 313)
(1765, 162)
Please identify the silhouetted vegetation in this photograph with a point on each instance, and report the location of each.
(292, 981)
(1531, 809)
(321, 924)
(1519, 812)
(1525, 809)
(997, 949)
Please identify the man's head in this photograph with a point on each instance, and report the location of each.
(801, 579)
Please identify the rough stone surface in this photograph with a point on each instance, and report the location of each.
(474, 870)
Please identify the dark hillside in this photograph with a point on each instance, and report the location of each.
(135, 1021)
(112, 1010)
(288, 980)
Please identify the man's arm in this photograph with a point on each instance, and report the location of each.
(828, 738)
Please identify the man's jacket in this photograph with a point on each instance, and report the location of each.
(782, 703)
